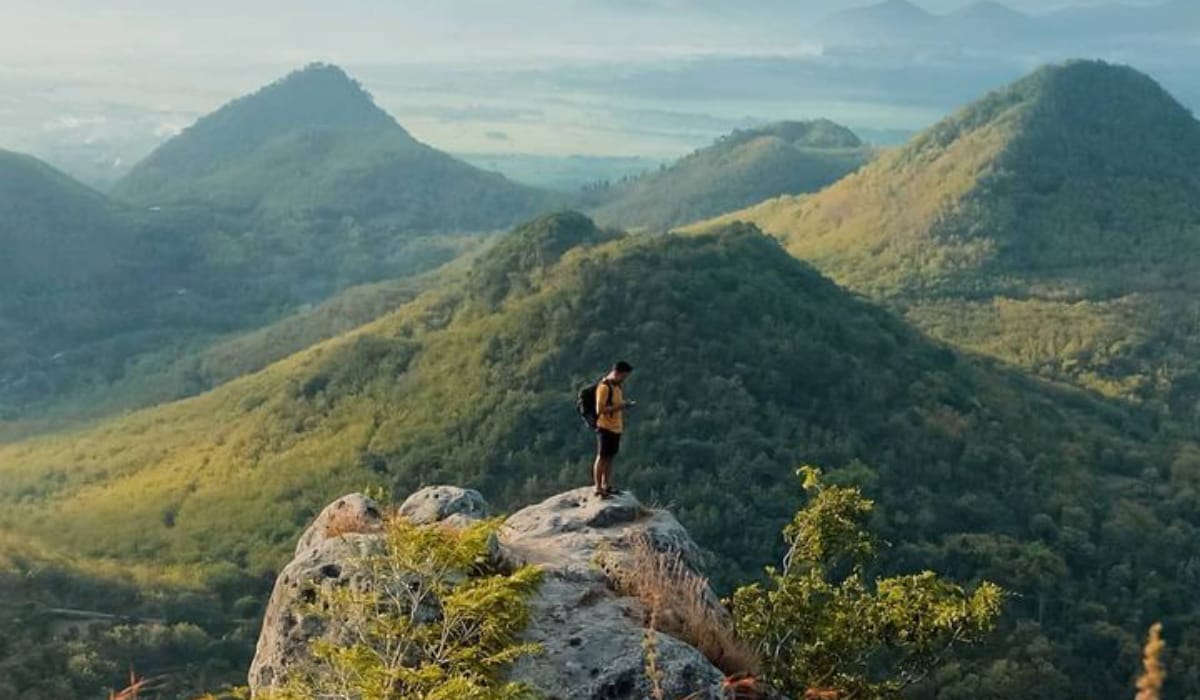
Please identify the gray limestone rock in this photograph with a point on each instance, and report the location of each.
(592, 636)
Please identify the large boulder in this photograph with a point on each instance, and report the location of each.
(576, 533)
(327, 556)
(591, 634)
(436, 504)
(592, 648)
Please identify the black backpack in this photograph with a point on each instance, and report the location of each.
(586, 403)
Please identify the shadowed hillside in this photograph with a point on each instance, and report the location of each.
(266, 207)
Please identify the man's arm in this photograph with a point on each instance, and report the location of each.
(602, 408)
(603, 394)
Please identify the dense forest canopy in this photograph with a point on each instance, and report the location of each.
(748, 363)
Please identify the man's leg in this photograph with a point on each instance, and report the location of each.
(598, 472)
(607, 473)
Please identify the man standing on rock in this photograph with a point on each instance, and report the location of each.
(610, 425)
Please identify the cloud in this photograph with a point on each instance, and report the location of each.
(496, 136)
(72, 122)
(481, 113)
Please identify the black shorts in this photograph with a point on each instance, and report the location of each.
(608, 443)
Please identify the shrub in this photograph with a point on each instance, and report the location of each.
(819, 624)
(433, 619)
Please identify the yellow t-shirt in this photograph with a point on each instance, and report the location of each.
(613, 422)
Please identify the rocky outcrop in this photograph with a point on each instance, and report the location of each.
(591, 635)
(327, 557)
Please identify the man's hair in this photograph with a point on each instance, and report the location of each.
(623, 366)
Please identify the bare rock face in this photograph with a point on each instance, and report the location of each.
(591, 635)
(435, 504)
(592, 648)
(566, 533)
(327, 556)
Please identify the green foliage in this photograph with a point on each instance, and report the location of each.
(740, 169)
(75, 629)
(312, 150)
(746, 359)
(518, 258)
(1054, 224)
(269, 205)
(432, 621)
(819, 624)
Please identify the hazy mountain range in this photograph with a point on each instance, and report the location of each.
(658, 92)
(992, 23)
(274, 201)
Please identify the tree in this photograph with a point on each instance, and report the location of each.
(435, 620)
(820, 624)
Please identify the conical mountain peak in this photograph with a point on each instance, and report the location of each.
(319, 97)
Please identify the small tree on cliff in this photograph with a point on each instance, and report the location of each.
(435, 620)
(818, 624)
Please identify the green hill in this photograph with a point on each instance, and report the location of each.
(315, 146)
(105, 308)
(262, 209)
(81, 282)
(748, 363)
(740, 169)
(1054, 224)
(53, 230)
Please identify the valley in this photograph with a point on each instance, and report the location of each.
(991, 330)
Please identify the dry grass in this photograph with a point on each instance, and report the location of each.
(680, 603)
(1153, 674)
(137, 686)
(653, 672)
(345, 522)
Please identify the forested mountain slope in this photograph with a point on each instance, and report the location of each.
(1054, 224)
(748, 363)
(314, 146)
(742, 168)
(55, 229)
(82, 283)
(260, 210)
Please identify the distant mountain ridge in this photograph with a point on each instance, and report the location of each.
(743, 167)
(316, 143)
(76, 270)
(990, 21)
(880, 20)
(277, 200)
(54, 229)
(320, 96)
(1054, 223)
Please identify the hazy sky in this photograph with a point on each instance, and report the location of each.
(400, 30)
(92, 85)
